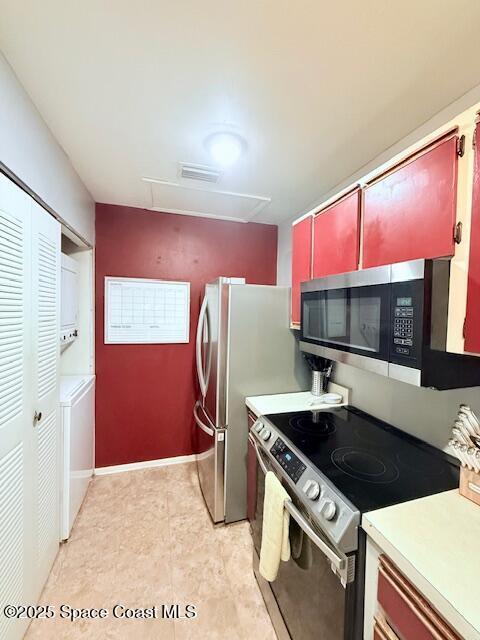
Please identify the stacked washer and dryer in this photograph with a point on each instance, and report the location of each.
(77, 409)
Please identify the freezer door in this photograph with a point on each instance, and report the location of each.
(210, 447)
(263, 358)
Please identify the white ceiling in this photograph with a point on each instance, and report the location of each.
(317, 88)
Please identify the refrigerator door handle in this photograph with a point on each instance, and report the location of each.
(206, 325)
(200, 329)
(210, 432)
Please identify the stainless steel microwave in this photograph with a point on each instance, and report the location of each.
(391, 320)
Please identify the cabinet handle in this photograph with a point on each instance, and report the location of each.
(384, 631)
(457, 233)
(436, 633)
(37, 416)
(418, 601)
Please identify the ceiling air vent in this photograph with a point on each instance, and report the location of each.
(199, 172)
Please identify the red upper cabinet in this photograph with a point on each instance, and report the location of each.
(472, 321)
(301, 262)
(336, 237)
(410, 213)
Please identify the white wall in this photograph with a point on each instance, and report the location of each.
(284, 254)
(426, 413)
(29, 150)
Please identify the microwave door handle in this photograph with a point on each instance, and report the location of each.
(337, 561)
(210, 432)
(201, 320)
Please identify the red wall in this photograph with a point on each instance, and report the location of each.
(145, 393)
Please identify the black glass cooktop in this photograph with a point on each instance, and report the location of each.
(370, 462)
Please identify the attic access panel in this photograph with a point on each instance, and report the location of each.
(172, 197)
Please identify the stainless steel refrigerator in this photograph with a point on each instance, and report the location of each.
(244, 347)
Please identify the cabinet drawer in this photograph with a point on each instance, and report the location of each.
(409, 614)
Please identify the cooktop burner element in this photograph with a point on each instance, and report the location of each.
(371, 463)
(314, 423)
(365, 466)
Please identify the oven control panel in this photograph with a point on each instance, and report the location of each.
(325, 506)
(287, 460)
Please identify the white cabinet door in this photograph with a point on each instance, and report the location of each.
(15, 401)
(29, 363)
(45, 253)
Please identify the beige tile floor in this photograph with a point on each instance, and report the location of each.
(144, 538)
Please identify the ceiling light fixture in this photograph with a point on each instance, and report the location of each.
(225, 147)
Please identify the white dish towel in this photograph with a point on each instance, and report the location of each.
(276, 521)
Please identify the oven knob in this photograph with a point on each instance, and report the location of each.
(329, 509)
(311, 489)
(265, 434)
(259, 427)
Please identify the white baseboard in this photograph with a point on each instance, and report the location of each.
(135, 466)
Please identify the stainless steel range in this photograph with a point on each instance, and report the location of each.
(335, 464)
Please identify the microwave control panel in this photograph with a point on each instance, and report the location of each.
(287, 460)
(407, 313)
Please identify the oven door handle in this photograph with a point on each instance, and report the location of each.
(339, 563)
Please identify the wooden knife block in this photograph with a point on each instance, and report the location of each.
(470, 485)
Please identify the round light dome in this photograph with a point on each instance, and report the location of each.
(225, 148)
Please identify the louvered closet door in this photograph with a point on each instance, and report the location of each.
(15, 401)
(46, 352)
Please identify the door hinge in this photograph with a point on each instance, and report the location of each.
(461, 146)
(457, 233)
(474, 138)
(464, 329)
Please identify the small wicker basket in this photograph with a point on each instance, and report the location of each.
(470, 485)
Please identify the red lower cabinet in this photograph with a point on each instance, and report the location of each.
(411, 212)
(336, 237)
(301, 263)
(472, 321)
(407, 615)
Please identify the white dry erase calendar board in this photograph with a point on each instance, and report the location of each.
(141, 311)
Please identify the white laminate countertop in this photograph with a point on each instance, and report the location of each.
(435, 541)
(299, 401)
